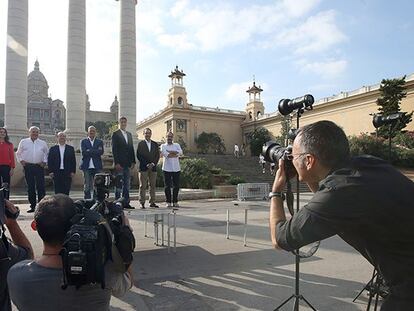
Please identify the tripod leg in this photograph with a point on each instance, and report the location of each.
(296, 304)
(308, 303)
(284, 302)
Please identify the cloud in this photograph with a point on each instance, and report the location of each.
(237, 91)
(216, 25)
(179, 42)
(318, 33)
(326, 69)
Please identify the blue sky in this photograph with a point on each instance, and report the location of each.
(292, 47)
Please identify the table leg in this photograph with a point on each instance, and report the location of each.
(245, 226)
(162, 229)
(145, 226)
(228, 224)
(175, 233)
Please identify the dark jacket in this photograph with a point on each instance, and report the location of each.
(69, 159)
(145, 157)
(122, 151)
(95, 152)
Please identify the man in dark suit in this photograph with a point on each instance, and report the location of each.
(148, 154)
(124, 158)
(92, 149)
(61, 162)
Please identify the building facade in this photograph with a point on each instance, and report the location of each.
(50, 114)
(350, 110)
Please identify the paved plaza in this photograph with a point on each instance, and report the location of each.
(210, 272)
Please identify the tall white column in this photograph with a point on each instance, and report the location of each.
(16, 68)
(127, 65)
(76, 69)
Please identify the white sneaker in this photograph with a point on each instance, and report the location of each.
(168, 205)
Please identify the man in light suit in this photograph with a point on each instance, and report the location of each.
(61, 162)
(92, 149)
(148, 154)
(124, 158)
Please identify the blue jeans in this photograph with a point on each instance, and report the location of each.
(88, 176)
(125, 174)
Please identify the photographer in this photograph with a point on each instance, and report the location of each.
(30, 280)
(364, 200)
(11, 252)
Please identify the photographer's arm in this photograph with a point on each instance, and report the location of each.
(277, 212)
(16, 233)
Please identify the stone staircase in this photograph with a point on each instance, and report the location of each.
(247, 168)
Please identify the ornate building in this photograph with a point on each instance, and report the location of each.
(50, 114)
(350, 110)
(42, 111)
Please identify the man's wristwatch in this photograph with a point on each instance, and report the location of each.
(277, 194)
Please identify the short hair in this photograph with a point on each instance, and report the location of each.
(91, 127)
(169, 132)
(147, 128)
(123, 118)
(326, 141)
(34, 128)
(61, 133)
(53, 218)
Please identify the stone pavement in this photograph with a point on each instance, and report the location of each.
(209, 272)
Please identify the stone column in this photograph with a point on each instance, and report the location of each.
(127, 65)
(76, 71)
(16, 69)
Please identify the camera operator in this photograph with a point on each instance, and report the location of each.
(30, 281)
(364, 200)
(11, 252)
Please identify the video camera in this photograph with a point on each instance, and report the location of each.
(98, 234)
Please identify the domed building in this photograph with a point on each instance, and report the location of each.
(42, 111)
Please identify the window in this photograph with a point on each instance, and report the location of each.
(180, 100)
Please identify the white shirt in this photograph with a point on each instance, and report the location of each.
(171, 164)
(236, 148)
(90, 161)
(148, 144)
(62, 152)
(32, 151)
(124, 133)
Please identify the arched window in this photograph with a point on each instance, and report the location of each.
(171, 101)
(250, 115)
(180, 100)
(259, 114)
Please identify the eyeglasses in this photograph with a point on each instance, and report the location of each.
(292, 156)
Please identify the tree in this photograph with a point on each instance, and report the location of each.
(285, 127)
(182, 143)
(103, 128)
(257, 138)
(210, 141)
(392, 91)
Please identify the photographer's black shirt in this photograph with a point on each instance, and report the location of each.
(370, 205)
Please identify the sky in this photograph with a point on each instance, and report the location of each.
(290, 48)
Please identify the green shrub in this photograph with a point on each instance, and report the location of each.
(195, 174)
(405, 139)
(234, 180)
(378, 147)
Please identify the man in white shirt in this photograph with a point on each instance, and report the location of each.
(236, 150)
(171, 168)
(32, 154)
(62, 164)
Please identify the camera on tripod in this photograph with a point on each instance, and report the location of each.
(96, 228)
(379, 120)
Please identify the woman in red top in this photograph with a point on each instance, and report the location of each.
(7, 163)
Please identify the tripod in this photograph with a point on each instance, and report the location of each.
(297, 296)
(375, 287)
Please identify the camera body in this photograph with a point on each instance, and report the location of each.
(96, 227)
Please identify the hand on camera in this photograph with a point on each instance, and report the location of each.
(280, 177)
(12, 209)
